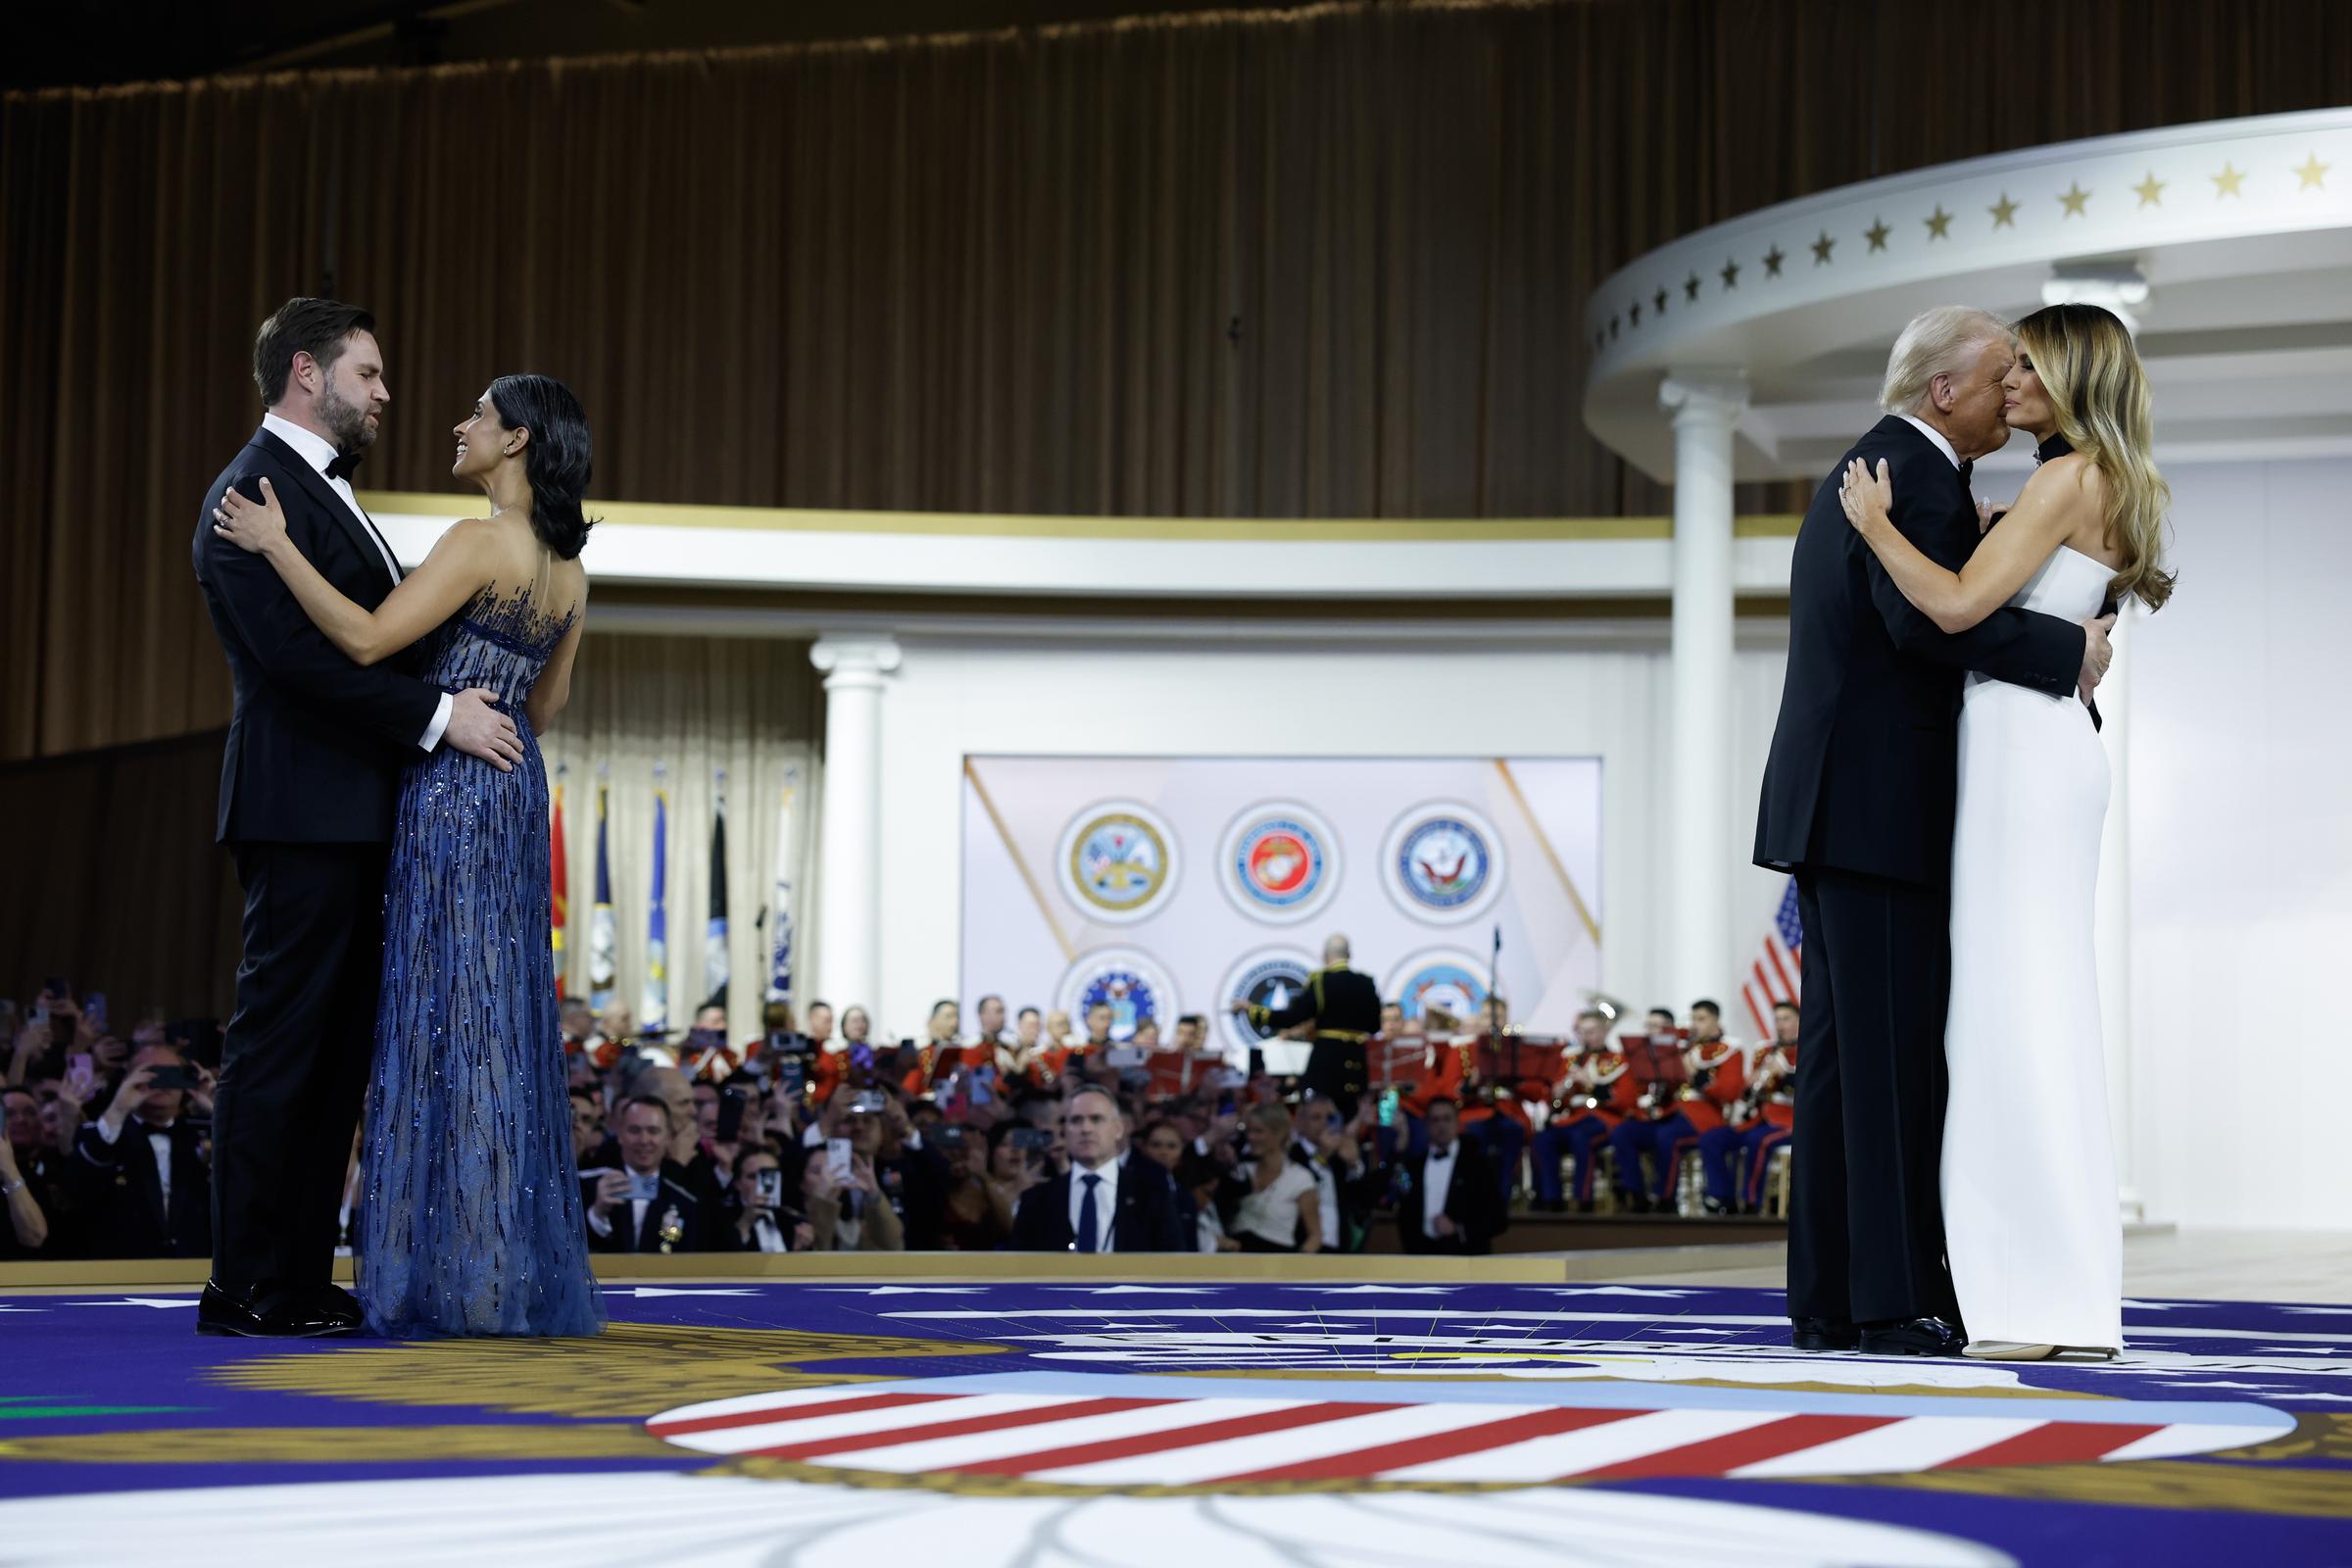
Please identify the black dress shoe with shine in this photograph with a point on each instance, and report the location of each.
(1824, 1333)
(263, 1312)
(1916, 1335)
(337, 1302)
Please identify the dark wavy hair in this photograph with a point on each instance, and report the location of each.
(556, 459)
(302, 325)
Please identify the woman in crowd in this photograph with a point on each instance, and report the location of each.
(1273, 1199)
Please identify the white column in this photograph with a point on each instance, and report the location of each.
(848, 929)
(1705, 406)
(2112, 923)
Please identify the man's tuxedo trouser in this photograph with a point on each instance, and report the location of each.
(1866, 1221)
(294, 1064)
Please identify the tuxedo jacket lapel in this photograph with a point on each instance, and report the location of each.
(322, 494)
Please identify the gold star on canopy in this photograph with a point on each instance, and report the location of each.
(1773, 258)
(1730, 274)
(2151, 190)
(1659, 300)
(2004, 212)
(1876, 234)
(2314, 173)
(2074, 199)
(2225, 182)
(1635, 314)
(1690, 286)
(1940, 224)
(1822, 248)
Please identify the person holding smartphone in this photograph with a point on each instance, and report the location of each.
(142, 1183)
(763, 1224)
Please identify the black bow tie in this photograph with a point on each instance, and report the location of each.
(344, 466)
(1966, 469)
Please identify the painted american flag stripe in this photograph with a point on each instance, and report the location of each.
(1437, 1446)
(1260, 1417)
(1913, 1443)
(2074, 1442)
(991, 1425)
(1717, 1455)
(1571, 1454)
(769, 1409)
(819, 1425)
(1185, 1461)
(1169, 1427)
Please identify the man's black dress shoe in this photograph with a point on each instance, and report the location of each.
(1823, 1333)
(1917, 1336)
(264, 1312)
(337, 1302)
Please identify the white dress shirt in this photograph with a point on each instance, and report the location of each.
(1107, 1202)
(1327, 1193)
(159, 1139)
(1437, 1179)
(1932, 433)
(317, 450)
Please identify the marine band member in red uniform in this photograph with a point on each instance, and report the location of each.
(1596, 1092)
(1667, 1126)
(1767, 1118)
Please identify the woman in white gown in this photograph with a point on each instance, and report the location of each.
(2031, 1224)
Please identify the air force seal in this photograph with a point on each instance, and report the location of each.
(1132, 982)
(1117, 861)
(1279, 863)
(1443, 862)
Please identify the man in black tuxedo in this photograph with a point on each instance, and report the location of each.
(1858, 802)
(645, 1205)
(308, 784)
(139, 1168)
(1104, 1202)
(1449, 1200)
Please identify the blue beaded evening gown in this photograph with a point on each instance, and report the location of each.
(469, 1217)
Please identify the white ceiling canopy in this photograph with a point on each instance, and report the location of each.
(2227, 245)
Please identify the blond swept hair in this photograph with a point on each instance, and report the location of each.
(2091, 371)
(1934, 342)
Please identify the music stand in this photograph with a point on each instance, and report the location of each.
(1655, 1060)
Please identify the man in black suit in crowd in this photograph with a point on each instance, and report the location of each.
(645, 1205)
(307, 783)
(1449, 1200)
(1104, 1203)
(1859, 804)
(139, 1169)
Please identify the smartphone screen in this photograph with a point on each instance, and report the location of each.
(837, 1158)
(730, 1116)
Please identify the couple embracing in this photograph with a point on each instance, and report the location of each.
(384, 799)
(1937, 787)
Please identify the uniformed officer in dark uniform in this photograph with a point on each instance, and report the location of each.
(1344, 1008)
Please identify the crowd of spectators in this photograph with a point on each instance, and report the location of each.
(1033, 1136)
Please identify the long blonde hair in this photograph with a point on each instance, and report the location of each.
(2091, 371)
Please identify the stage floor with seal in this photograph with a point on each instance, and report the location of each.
(1046, 1423)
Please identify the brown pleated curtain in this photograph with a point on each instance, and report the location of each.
(1323, 262)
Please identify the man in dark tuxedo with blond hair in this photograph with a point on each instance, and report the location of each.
(1858, 805)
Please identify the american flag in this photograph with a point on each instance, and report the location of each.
(1777, 973)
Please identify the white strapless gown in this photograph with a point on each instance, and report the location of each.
(2030, 1220)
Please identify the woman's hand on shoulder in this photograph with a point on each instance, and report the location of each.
(1866, 494)
(253, 526)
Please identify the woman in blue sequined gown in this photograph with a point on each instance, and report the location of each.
(469, 1217)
